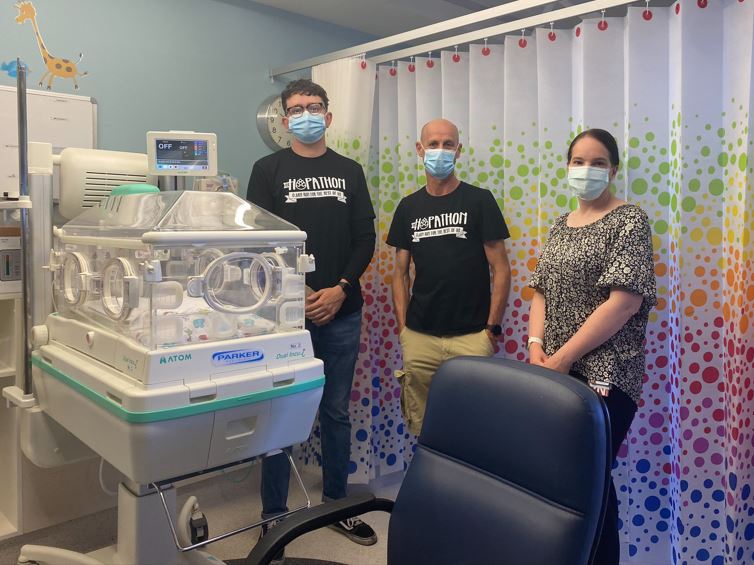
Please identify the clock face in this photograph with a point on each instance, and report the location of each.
(270, 124)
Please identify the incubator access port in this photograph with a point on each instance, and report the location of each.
(76, 275)
(120, 288)
(235, 283)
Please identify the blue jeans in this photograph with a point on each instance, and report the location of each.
(337, 344)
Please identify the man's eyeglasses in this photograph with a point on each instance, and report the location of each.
(313, 108)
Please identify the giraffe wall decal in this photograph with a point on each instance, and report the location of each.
(56, 67)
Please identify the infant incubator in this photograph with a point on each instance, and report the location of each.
(178, 343)
(187, 304)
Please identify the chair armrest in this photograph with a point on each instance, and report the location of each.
(311, 519)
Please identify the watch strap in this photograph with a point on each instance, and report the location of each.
(534, 340)
(345, 285)
(494, 329)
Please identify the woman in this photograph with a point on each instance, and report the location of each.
(594, 287)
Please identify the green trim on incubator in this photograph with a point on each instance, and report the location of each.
(137, 188)
(172, 413)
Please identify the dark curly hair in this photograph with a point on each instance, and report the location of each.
(306, 87)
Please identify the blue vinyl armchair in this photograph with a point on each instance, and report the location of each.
(511, 467)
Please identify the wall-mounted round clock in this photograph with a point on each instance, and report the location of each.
(270, 123)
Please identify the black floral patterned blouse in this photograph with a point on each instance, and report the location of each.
(575, 272)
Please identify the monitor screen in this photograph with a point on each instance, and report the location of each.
(181, 155)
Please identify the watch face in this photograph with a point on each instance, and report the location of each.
(270, 124)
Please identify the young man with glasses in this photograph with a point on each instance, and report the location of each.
(325, 194)
(455, 234)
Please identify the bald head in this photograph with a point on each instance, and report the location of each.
(441, 130)
(438, 139)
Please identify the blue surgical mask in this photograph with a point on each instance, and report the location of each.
(587, 183)
(440, 162)
(308, 128)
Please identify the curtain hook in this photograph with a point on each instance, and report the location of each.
(522, 41)
(485, 49)
(647, 14)
(602, 25)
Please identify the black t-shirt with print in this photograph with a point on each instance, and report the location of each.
(445, 236)
(327, 197)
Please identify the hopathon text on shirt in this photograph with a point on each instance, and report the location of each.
(315, 187)
(439, 225)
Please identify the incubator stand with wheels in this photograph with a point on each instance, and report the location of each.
(178, 346)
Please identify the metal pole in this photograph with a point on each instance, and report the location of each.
(40, 225)
(23, 191)
(413, 35)
(523, 23)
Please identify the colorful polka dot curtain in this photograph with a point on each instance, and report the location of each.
(674, 85)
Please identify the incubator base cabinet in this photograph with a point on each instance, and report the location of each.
(178, 346)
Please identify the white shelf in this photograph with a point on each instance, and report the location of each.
(14, 204)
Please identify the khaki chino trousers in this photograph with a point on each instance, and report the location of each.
(422, 355)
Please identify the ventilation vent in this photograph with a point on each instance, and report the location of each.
(98, 185)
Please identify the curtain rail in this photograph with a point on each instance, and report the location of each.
(562, 14)
(419, 33)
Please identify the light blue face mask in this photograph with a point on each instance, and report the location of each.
(439, 162)
(587, 183)
(308, 128)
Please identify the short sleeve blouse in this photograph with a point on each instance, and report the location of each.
(576, 271)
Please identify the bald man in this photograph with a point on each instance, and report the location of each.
(455, 234)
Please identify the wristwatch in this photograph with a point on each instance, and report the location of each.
(495, 329)
(345, 285)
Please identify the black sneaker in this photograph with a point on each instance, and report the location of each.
(279, 558)
(356, 530)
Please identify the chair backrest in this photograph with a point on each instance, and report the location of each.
(511, 467)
